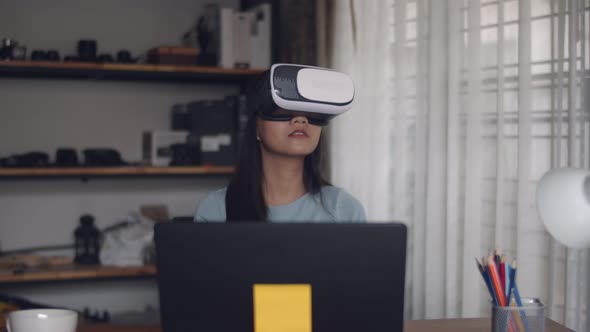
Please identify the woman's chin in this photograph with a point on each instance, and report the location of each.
(295, 154)
(295, 150)
(300, 151)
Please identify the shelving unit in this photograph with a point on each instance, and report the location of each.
(114, 72)
(114, 171)
(44, 70)
(117, 71)
(120, 72)
(70, 272)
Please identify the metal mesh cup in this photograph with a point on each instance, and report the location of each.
(528, 318)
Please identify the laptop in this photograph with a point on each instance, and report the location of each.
(207, 272)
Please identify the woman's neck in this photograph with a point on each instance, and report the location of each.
(282, 179)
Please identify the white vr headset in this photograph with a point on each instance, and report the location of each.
(311, 89)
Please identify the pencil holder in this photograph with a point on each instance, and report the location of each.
(528, 318)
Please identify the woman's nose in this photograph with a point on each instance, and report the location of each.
(299, 120)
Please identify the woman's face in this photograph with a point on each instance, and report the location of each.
(294, 138)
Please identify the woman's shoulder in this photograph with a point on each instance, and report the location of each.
(212, 207)
(214, 197)
(336, 193)
(345, 205)
(217, 194)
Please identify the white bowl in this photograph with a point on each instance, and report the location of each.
(42, 320)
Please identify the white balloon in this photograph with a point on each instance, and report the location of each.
(563, 202)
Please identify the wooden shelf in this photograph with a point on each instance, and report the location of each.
(69, 272)
(115, 328)
(115, 171)
(118, 71)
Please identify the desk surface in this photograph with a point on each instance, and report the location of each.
(439, 325)
(466, 325)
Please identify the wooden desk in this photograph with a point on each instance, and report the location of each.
(466, 325)
(439, 325)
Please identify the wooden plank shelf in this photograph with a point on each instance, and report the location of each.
(118, 71)
(116, 328)
(115, 171)
(70, 272)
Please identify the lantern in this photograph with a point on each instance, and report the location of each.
(87, 241)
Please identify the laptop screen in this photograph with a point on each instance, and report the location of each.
(208, 273)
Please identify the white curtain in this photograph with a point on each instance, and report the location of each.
(461, 106)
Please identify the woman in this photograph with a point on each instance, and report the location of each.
(278, 174)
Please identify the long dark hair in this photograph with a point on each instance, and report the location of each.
(244, 199)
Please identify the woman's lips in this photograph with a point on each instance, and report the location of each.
(298, 133)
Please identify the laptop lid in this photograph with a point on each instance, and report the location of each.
(207, 271)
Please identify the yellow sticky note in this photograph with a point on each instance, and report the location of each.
(282, 308)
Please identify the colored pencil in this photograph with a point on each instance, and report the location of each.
(497, 258)
(483, 275)
(486, 279)
(496, 282)
(508, 283)
(503, 276)
(512, 279)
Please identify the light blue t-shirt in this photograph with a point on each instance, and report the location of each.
(335, 205)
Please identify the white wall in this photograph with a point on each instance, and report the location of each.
(43, 115)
